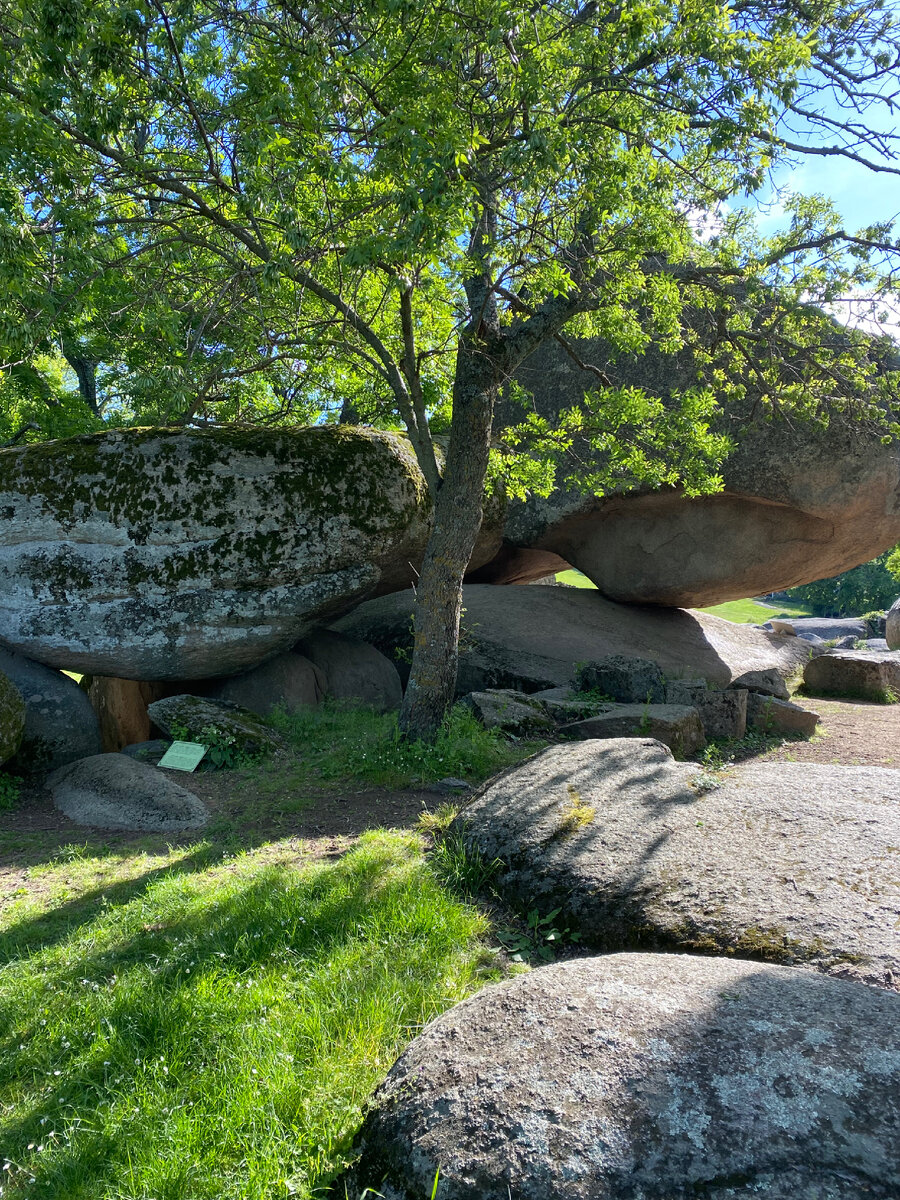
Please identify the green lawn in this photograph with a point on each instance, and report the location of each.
(187, 1026)
(206, 1021)
(741, 612)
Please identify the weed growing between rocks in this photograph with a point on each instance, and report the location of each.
(9, 791)
(337, 742)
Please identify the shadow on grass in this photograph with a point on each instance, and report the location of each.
(228, 1046)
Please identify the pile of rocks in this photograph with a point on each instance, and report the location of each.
(618, 696)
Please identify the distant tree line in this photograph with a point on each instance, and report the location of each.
(871, 587)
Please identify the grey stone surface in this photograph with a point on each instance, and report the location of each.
(531, 638)
(767, 683)
(831, 628)
(353, 670)
(644, 1077)
(195, 714)
(770, 715)
(12, 718)
(289, 681)
(147, 752)
(854, 674)
(876, 644)
(892, 626)
(624, 679)
(723, 714)
(60, 725)
(115, 791)
(183, 554)
(509, 711)
(675, 725)
(790, 862)
(799, 502)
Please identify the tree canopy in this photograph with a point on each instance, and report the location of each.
(255, 210)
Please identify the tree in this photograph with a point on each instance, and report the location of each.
(870, 587)
(424, 192)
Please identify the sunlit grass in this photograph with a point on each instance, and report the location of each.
(751, 612)
(187, 1026)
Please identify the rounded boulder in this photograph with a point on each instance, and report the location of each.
(644, 1076)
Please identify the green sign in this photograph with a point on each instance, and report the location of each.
(183, 756)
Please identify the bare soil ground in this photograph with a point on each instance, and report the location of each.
(851, 733)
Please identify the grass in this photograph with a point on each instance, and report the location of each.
(186, 1026)
(752, 612)
(740, 612)
(338, 743)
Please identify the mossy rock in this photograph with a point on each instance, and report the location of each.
(12, 718)
(185, 554)
(238, 732)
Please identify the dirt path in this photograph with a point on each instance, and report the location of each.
(852, 733)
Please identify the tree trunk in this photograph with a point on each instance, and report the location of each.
(457, 521)
(85, 370)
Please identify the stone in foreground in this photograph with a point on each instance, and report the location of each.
(531, 638)
(626, 680)
(892, 626)
(675, 725)
(769, 715)
(854, 674)
(182, 554)
(509, 711)
(201, 719)
(647, 1077)
(12, 718)
(114, 791)
(788, 862)
(60, 725)
(722, 714)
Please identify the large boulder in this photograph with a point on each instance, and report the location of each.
(210, 722)
(855, 674)
(289, 681)
(892, 626)
(183, 554)
(12, 718)
(60, 724)
(677, 726)
(784, 861)
(114, 791)
(533, 638)
(652, 1077)
(800, 502)
(353, 670)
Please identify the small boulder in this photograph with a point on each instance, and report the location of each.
(353, 670)
(769, 715)
(289, 681)
(723, 714)
(892, 626)
(875, 643)
(191, 718)
(854, 674)
(147, 752)
(831, 628)
(60, 725)
(644, 1075)
(12, 718)
(790, 862)
(675, 725)
(625, 680)
(114, 791)
(509, 711)
(767, 683)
